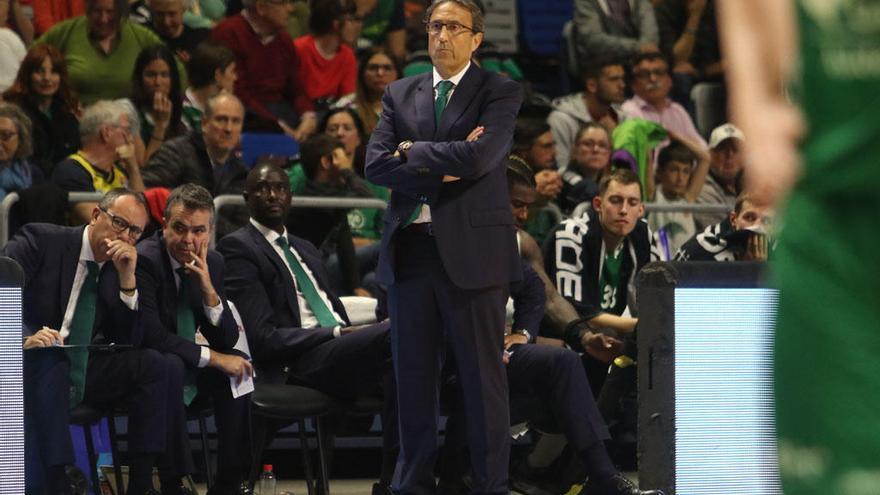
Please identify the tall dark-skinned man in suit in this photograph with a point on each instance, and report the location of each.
(297, 327)
(448, 250)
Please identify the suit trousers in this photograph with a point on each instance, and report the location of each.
(136, 379)
(428, 313)
(354, 365)
(231, 419)
(549, 389)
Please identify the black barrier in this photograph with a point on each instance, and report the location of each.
(706, 422)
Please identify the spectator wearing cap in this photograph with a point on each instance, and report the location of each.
(726, 164)
(651, 84)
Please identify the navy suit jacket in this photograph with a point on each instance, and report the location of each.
(157, 293)
(260, 285)
(49, 254)
(471, 217)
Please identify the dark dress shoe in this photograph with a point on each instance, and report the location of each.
(382, 489)
(616, 485)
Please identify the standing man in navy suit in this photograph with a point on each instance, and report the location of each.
(297, 327)
(81, 289)
(180, 282)
(448, 248)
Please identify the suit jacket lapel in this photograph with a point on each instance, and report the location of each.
(68, 266)
(269, 252)
(425, 107)
(169, 297)
(461, 98)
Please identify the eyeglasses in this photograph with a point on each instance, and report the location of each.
(380, 67)
(352, 18)
(646, 74)
(120, 225)
(453, 28)
(8, 135)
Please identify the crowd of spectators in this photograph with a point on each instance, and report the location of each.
(155, 94)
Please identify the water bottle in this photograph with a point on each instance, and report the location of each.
(267, 481)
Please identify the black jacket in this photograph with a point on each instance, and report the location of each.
(573, 257)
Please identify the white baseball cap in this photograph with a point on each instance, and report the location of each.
(724, 132)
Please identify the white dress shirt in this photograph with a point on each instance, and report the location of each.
(86, 254)
(213, 313)
(425, 214)
(306, 315)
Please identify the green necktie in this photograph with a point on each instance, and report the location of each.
(186, 328)
(80, 332)
(304, 282)
(443, 89)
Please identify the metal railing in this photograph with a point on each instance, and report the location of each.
(302, 202)
(12, 198)
(225, 200)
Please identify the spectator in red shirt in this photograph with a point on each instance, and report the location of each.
(327, 67)
(267, 66)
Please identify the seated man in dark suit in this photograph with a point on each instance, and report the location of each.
(72, 295)
(175, 265)
(297, 328)
(206, 158)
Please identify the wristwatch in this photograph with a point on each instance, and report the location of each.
(403, 148)
(523, 332)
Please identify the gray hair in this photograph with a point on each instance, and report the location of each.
(22, 123)
(192, 197)
(214, 100)
(469, 5)
(112, 195)
(100, 114)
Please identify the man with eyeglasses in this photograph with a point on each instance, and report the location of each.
(297, 327)
(81, 292)
(651, 84)
(441, 146)
(180, 282)
(106, 160)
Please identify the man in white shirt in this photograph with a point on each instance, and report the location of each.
(81, 291)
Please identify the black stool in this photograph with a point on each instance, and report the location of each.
(290, 403)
